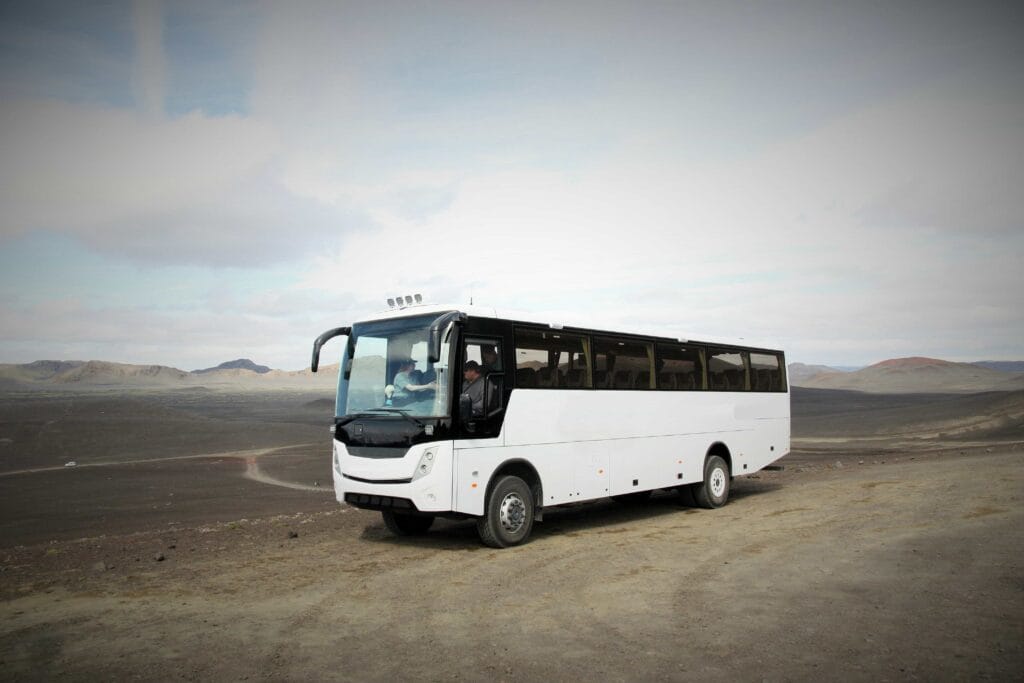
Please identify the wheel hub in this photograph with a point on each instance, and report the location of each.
(512, 513)
(717, 482)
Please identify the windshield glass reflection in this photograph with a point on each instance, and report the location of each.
(388, 370)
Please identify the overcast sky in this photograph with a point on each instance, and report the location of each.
(188, 183)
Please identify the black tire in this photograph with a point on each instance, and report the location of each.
(713, 492)
(406, 525)
(508, 514)
(635, 498)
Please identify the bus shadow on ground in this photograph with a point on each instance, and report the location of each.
(600, 516)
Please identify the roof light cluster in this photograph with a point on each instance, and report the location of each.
(403, 301)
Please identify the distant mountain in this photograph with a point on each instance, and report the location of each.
(239, 375)
(36, 371)
(799, 372)
(1002, 365)
(918, 375)
(240, 364)
(96, 372)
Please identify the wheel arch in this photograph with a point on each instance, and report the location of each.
(525, 471)
(721, 450)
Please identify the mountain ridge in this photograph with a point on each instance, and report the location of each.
(917, 374)
(913, 374)
(96, 374)
(239, 364)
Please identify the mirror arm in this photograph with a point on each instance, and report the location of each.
(323, 339)
(436, 328)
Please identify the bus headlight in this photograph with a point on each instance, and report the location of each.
(337, 464)
(426, 464)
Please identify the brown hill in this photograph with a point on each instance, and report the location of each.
(918, 375)
(102, 373)
(801, 372)
(74, 375)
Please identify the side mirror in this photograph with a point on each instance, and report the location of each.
(323, 339)
(465, 409)
(434, 337)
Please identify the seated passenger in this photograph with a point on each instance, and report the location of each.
(474, 386)
(489, 360)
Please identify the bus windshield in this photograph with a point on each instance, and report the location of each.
(386, 369)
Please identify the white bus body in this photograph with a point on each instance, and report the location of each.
(589, 434)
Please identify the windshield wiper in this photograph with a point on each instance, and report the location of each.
(377, 412)
(403, 413)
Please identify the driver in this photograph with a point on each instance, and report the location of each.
(405, 387)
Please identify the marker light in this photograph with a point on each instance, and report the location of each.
(405, 300)
(426, 464)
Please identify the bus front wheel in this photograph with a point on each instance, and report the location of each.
(406, 525)
(713, 492)
(508, 516)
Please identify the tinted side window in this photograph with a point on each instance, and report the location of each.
(726, 370)
(623, 364)
(551, 359)
(766, 372)
(680, 368)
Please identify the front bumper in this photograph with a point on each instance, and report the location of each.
(379, 483)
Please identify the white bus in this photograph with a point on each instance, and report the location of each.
(568, 414)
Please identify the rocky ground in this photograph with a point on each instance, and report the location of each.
(911, 569)
(865, 559)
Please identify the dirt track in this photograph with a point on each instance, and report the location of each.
(904, 570)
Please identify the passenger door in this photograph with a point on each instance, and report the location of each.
(487, 353)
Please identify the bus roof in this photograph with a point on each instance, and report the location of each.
(535, 319)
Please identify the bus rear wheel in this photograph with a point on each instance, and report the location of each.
(508, 515)
(406, 525)
(713, 492)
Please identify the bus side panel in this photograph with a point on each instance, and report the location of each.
(771, 443)
(765, 419)
(474, 467)
(591, 444)
(657, 438)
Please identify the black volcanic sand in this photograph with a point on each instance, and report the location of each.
(39, 431)
(829, 413)
(119, 499)
(147, 461)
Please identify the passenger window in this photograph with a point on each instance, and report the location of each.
(486, 353)
(680, 368)
(550, 359)
(726, 371)
(766, 372)
(624, 364)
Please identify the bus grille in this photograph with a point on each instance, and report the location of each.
(368, 502)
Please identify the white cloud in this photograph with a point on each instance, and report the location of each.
(195, 189)
(83, 167)
(596, 167)
(148, 77)
(787, 244)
